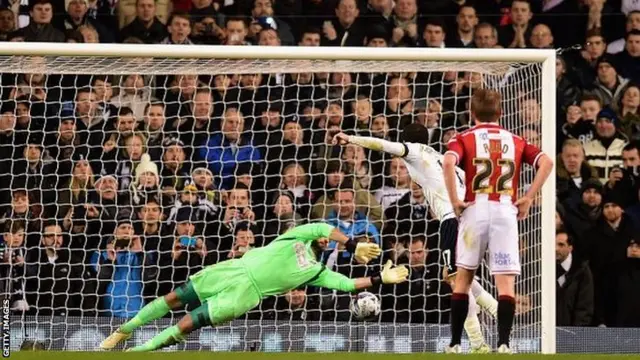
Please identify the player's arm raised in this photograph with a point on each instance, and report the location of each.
(544, 166)
(363, 252)
(390, 275)
(372, 143)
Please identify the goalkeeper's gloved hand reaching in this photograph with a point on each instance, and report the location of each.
(363, 252)
(393, 274)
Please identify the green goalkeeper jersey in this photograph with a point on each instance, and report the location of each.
(289, 262)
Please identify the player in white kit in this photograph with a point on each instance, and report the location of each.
(425, 168)
(489, 211)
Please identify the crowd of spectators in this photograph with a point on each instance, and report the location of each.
(115, 189)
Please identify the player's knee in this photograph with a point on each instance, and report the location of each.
(173, 300)
(186, 324)
(506, 284)
(463, 280)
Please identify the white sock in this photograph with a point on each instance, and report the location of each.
(484, 299)
(472, 324)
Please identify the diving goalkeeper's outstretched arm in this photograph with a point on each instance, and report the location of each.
(336, 281)
(372, 143)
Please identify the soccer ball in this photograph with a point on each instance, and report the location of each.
(365, 305)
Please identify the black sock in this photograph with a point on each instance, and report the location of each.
(506, 312)
(459, 310)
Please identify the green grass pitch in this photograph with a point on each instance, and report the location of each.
(28, 355)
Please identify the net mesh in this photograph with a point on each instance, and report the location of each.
(240, 150)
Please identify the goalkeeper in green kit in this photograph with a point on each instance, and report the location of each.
(231, 288)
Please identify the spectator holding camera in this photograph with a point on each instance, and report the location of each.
(189, 248)
(579, 122)
(263, 17)
(244, 241)
(119, 269)
(624, 179)
(206, 30)
(237, 209)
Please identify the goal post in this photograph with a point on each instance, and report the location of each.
(548, 320)
(532, 71)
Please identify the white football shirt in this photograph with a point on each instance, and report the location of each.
(425, 168)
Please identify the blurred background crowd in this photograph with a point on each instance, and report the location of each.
(117, 188)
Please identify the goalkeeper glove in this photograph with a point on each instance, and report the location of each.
(363, 252)
(391, 275)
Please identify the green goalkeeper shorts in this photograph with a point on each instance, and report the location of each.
(226, 290)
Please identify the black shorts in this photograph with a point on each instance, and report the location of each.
(448, 239)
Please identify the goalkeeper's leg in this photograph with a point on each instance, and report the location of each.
(177, 333)
(479, 299)
(474, 330)
(216, 310)
(484, 300)
(152, 311)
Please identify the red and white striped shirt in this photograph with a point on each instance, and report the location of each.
(491, 158)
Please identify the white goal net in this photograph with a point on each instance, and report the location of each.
(122, 176)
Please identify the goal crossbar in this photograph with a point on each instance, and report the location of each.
(124, 59)
(274, 52)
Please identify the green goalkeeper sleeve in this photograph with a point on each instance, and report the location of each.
(334, 281)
